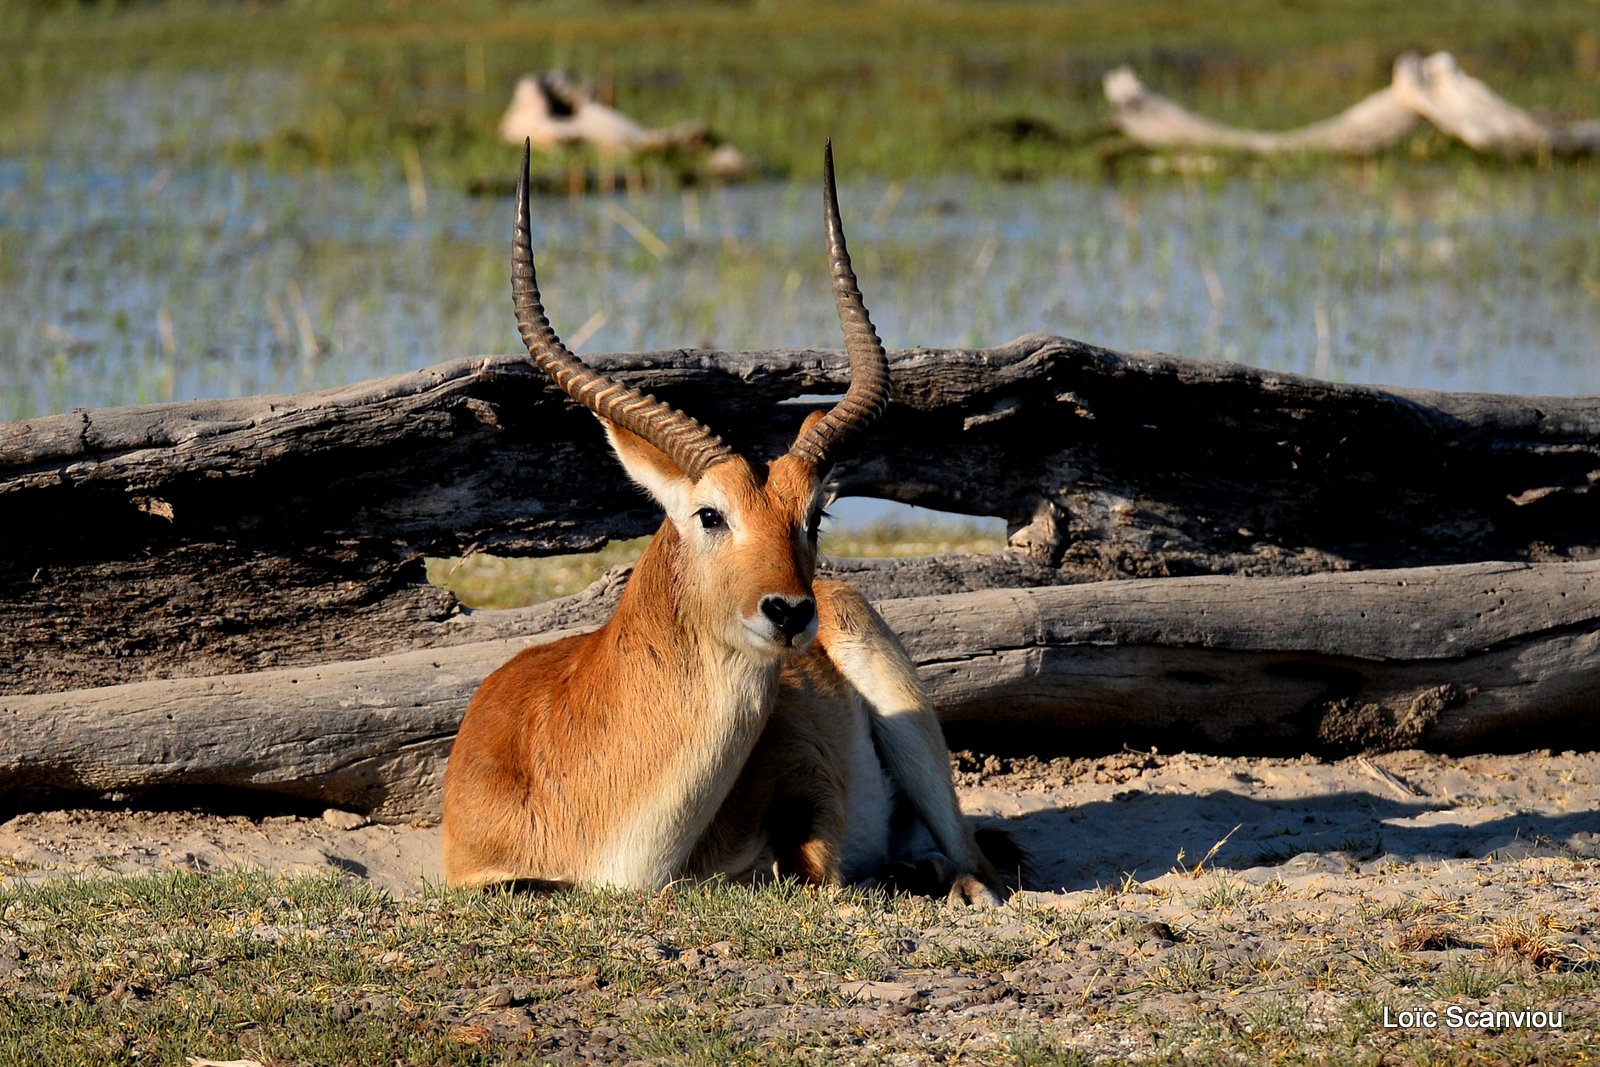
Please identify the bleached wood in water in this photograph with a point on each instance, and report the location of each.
(1465, 108)
(1156, 122)
(1433, 89)
(549, 111)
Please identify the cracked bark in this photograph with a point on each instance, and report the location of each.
(215, 537)
(230, 593)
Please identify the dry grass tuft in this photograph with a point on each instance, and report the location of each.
(1531, 942)
(1434, 938)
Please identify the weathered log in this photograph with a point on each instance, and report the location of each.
(1449, 658)
(1465, 108)
(1434, 89)
(1152, 120)
(216, 537)
(549, 111)
(367, 735)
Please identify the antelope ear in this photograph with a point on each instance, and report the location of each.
(651, 468)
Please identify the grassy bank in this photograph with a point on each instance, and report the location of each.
(994, 89)
(1199, 967)
(485, 581)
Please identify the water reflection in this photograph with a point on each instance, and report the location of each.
(152, 282)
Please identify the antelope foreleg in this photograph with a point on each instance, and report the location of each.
(906, 733)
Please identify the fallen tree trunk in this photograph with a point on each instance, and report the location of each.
(1153, 121)
(1437, 89)
(1433, 89)
(215, 537)
(1448, 658)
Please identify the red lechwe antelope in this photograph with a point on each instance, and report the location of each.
(735, 716)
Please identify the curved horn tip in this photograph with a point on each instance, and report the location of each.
(688, 443)
(522, 179)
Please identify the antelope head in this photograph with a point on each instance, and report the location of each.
(740, 541)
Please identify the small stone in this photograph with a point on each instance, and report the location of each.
(1157, 929)
(774, 985)
(496, 996)
(881, 992)
(344, 820)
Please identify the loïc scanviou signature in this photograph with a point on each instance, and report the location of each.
(1456, 1017)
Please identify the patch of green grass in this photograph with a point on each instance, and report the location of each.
(1008, 89)
(892, 538)
(1037, 1050)
(1471, 980)
(247, 965)
(321, 970)
(485, 581)
(242, 964)
(1276, 1013)
(1184, 970)
(1222, 893)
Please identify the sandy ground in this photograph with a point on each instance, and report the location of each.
(1086, 823)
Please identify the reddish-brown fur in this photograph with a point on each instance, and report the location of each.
(557, 742)
(733, 717)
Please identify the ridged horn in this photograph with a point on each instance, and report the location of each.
(868, 393)
(688, 443)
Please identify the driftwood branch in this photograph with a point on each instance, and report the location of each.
(1437, 89)
(1432, 89)
(1156, 122)
(217, 537)
(549, 110)
(1447, 657)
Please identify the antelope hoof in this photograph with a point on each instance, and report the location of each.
(969, 889)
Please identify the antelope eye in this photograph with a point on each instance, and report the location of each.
(710, 519)
(815, 525)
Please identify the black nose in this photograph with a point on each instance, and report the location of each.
(789, 614)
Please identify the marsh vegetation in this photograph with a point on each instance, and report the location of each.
(216, 199)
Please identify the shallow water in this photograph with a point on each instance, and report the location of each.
(136, 264)
(136, 267)
(131, 284)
